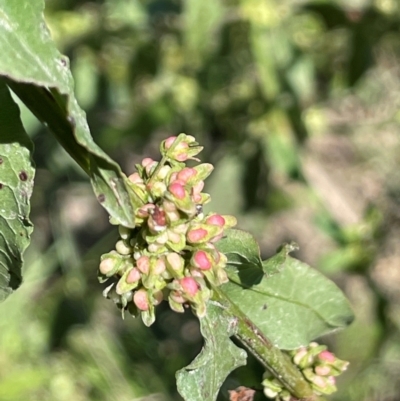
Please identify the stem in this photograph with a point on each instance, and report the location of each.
(165, 158)
(277, 362)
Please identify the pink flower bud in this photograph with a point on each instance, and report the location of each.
(196, 198)
(159, 267)
(198, 187)
(322, 370)
(186, 173)
(143, 264)
(196, 235)
(189, 286)
(133, 276)
(177, 190)
(216, 220)
(326, 356)
(135, 178)
(146, 161)
(141, 300)
(169, 141)
(202, 260)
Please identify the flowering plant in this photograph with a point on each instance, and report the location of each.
(177, 253)
(168, 248)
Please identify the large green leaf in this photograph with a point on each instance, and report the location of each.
(202, 379)
(40, 76)
(289, 301)
(16, 183)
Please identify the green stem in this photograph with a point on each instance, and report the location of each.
(277, 362)
(165, 158)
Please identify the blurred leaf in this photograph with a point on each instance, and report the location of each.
(201, 19)
(361, 57)
(202, 379)
(292, 304)
(332, 15)
(16, 184)
(264, 57)
(40, 76)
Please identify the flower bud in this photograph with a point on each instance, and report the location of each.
(203, 171)
(321, 384)
(177, 190)
(202, 260)
(143, 264)
(122, 248)
(135, 178)
(124, 232)
(128, 282)
(176, 242)
(186, 174)
(141, 300)
(323, 370)
(157, 189)
(326, 356)
(197, 235)
(163, 172)
(189, 286)
(174, 302)
(110, 264)
(175, 264)
(133, 276)
(159, 266)
(201, 233)
(216, 220)
(180, 148)
(149, 165)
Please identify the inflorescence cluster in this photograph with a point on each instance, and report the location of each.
(318, 366)
(170, 254)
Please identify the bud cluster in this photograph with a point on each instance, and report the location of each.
(318, 366)
(170, 254)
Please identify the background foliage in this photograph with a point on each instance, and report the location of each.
(296, 103)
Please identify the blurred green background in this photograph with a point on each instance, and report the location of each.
(297, 104)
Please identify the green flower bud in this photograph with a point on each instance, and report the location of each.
(111, 264)
(175, 264)
(122, 248)
(128, 281)
(124, 232)
(180, 148)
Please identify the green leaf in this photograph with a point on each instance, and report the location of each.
(243, 254)
(290, 302)
(202, 379)
(40, 76)
(16, 184)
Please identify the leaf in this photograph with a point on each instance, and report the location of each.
(41, 77)
(202, 379)
(16, 183)
(290, 302)
(332, 15)
(243, 254)
(202, 19)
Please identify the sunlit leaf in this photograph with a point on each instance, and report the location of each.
(40, 76)
(289, 301)
(202, 379)
(16, 183)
